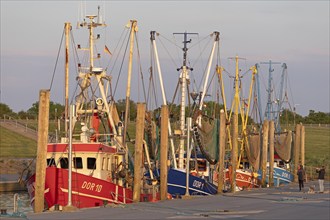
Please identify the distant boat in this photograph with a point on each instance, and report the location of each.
(282, 173)
(283, 139)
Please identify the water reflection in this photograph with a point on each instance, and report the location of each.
(7, 202)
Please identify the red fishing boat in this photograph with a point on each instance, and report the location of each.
(90, 165)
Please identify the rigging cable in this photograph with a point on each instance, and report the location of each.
(76, 58)
(58, 54)
(121, 65)
(140, 68)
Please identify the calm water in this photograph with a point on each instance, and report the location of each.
(7, 202)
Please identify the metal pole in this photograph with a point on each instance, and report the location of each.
(189, 120)
(72, 112)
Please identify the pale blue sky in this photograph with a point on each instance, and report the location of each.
(294, 32)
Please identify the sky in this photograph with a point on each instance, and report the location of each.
(291, 32)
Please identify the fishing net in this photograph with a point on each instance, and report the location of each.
(207, 138)
(283, 145)
(253, 150)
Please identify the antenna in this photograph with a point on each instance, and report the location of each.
(185, 49)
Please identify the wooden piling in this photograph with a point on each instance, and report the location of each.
(265, 129)
(271, 153)
(43, 122)
(234, 153)
(302, 145)
(138, 164)
(222, 146)
(296, 149)
(163, 152)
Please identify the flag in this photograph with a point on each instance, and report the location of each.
(106, 49)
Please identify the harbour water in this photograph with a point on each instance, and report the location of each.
(23, 202)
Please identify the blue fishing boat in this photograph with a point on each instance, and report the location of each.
(281, 175)
(190, 174)
(176, 183)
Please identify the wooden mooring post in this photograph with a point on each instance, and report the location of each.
(234, 154)
(222, 146)
(138, 165)
(43, 123)
(265, 134)
(163, 152)
(296, 151)
(271, 153)
(302, 145)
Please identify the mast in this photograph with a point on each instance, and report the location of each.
(86, 73)
(129, 76)
(66, 109)
(152, 38)
(184, 78)
(259, 94)
(216, 40)
(280, 100)
(269, 113)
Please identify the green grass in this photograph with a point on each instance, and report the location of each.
(14, 145)
(317, 144)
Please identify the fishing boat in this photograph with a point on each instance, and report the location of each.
(189, 173)
(241, 170)
(282, 173)
(94, 139)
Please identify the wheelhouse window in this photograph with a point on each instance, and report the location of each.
(201, 165)
(109, 164)
(77, 163)
(104, 163)
(64, 162)
(192, 165)
(51, 162)
(91, 163)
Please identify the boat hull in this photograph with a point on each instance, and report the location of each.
(197, 186)
(281, 176)
(87, 191)
(244, 179)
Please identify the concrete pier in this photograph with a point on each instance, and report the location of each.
(285, 202)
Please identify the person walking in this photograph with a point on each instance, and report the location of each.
(321, 173)
(301, 177)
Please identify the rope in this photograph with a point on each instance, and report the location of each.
(171, 57)
(121, 66)
(58, 55)
(140, 68)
